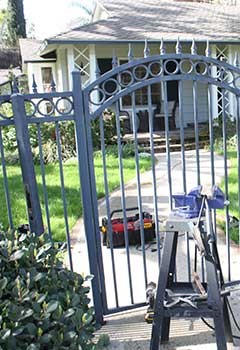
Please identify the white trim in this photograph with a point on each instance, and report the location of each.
(213, 87)
(92, 72)
(70, 64)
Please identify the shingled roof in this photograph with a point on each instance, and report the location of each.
(30, 51)
(153, 19)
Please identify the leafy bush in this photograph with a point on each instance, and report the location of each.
(49, 145)
(110, 130)
(42, 304)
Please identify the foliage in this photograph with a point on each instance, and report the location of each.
(233, 180)
(16, 26)
(49, 144)
(127, 150)
(67, 139)
(109, 124)
(230, 124)
(42, 304)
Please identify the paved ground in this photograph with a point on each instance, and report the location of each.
(126, 329)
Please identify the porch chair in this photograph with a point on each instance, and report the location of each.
(159, 121)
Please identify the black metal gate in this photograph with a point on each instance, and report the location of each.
(169, 99)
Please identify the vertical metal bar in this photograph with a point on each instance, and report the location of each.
(238, 159)
(154, 181)
(202, 269)
(5, 183)
(225, 156)
(139, 186)
(81, 143)
(168, 156)
(103, 149)
(211, 135)
(181, 119)
(45, 194)
(211, 139)
(188, 257)
(97, 237)
(123, 200)
(58, 140)
(27, 166)
(196, 130)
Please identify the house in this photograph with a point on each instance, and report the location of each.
(115, 24)
(9, 63)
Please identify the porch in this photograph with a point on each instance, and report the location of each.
(174, 139)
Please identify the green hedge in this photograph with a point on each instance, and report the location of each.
(42, 304)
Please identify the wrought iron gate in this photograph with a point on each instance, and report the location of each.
(121, 274)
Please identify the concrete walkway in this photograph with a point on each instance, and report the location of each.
(80, 259)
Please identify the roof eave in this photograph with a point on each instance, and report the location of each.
(48, 42)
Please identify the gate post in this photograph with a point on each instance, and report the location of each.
(27, 167)
(85, 184)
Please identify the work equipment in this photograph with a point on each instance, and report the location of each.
(114, 230)
(192, 214)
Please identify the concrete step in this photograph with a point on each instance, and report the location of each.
(174, 147)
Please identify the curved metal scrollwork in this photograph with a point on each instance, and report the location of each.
(165, 67)
(49, 106)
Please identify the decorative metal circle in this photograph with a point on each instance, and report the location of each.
(200, 68)
(186, 66)
(47, 105)
(110, 86)
(140, 72)
(155, 69)
(171, 66)
(101, 96)
(236, 82)
(64, 106)
(125, 78)
(8, 110)
(226, 76)
(30, 108)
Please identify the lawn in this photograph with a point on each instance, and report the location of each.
(233, 180)
(72, 186)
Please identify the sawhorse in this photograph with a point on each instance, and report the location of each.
(214, 306)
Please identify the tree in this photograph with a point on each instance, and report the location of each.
(3, 22)
(16, 26)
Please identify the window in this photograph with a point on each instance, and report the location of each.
(46, 78)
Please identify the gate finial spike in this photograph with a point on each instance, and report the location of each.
(114, 59)
(53, 85)
(236, 60)
(146, 49)
(208, 50)
(130, 53)
(194, 47)
(162, 47)
(178, 47)
(15, 85)
(34, 84)
(97, 70)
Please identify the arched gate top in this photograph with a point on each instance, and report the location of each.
(137, 73)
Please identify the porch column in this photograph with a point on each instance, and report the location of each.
(70, 64)
(232, 98)
(214, 88)
(62, 70)
(92, 70)
(92, 61)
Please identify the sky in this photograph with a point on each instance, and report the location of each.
(50, 17)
